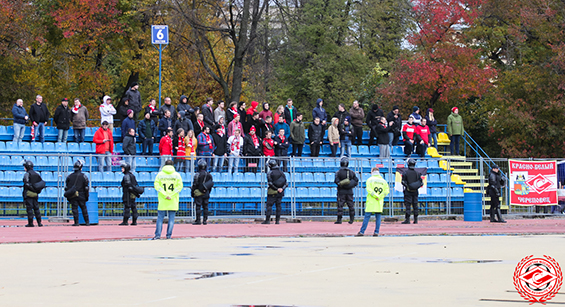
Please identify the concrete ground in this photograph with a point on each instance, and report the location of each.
(306, 264)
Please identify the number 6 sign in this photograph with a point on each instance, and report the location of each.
(159, 35)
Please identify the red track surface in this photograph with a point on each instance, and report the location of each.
(12, 231)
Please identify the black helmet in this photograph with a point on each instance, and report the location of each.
(344, 162)
(28, 165)
(202, 164)
(411, 163)
(126, 167)
(78, 165)
(273, 164)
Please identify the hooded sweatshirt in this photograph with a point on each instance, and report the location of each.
(168, 183)
(455, 124)
(266, 112)
(107, 111)
(185, 107)
(253, 108)
(319, 111)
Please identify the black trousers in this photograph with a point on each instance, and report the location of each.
(494, 201)
(130, 205)
(314, 149)
(297, 150)
(408, 148)
(283, 162)
(345, 199)
(32, 209)
(147, 147)
(358, 135)
(372, 136)
(201, 207)
(333, 147)
(421, 149)
(274, 200)
(411, 201)
(82, 204)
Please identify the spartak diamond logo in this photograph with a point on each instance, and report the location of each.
(539, 183)
(538, 279)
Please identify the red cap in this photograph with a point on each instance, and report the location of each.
(454, 108)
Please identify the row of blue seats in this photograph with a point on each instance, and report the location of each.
(302, 194)
(51, 133)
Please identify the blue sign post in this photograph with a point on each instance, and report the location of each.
(160, 36)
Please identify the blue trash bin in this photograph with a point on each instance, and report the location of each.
(92, 208)
(472, 208)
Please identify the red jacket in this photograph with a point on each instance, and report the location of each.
(269, 147)
(423, 132)
(408, 131)
(98, 139)
(166, 146)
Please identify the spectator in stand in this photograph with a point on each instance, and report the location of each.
(39, 115)
(206, 145)
(221, 147)
(253, 121)
(184, 106)
(432, 124)
(180, 148)
(373, 119)
(134, 98)
(62, 119)
(341, 114)
(346, 136)
(20, 119)
(252, 109)
(104, 146)
(167, 106)
(290, 112)
(128, 123)
(234, 124)
(297, 135)
(383, 129)
(220, 111)
(423, 141)
(320, 112)
(334, 136)
(278, 114)
(208, 113)
(395, 117)
(191, 144)
(242, 114)
(235, 143)
(357, 118)
(411, 138)
(183, 122)
(266, 125)
(129, 148)
(147, 131)
(107, 112)
(231, 112)
(315, 137)
(252, 149)
(79, 117)
(281, 148)
(221, 123)
(123, 109)
(199, 125)
(154, 113)
(165, 123)
(455, 130)
(266, 112)
(416, 115)
(282, 125)
(268, 145)
(166, 146)
(195, 117)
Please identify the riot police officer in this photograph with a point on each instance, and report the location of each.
(495, 185)
(201, 188)
(346, 180)
(276, 181)
(412, 181)
(33, 184)
(128, 196)
(77, 192)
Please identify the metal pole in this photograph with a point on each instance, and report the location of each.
(160, 60)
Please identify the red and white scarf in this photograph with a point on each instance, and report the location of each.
(75, 108)
(209, 141)
(235, 144)
(152, 108)
(201, 124)
(255, 140)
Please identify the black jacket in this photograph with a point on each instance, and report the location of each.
(281, 149)
(249, 148)
(432, 124)
(80, 181)
(264, 127)
(412, 181)
(164, 124)
(315, 133)
(129, 145)
(185, 123)
(221, 143)
(343, 132)
(341, 116)
(382, 133)
(31, 178)
(397, 122)
(123, 111)
(153, 115)
(277, 180)
(340, 175)
(189, 111)
(198, 183)
(373, 115)
(208, 113)
(128, 182)
(495, 183)
(62, 117)
(39, 113)
(255, 123)
(171, 108)
(134, 98)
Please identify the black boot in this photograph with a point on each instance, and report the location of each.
(125, 221)
(197, 222)
(407, 219)
(492, 219)
(499, 216)
(338, 220)
(351, 218)
(38, 218)
(267, 220)
(134, 221)
(205, 217)
(415, 219)
(75, 218)
(29, 222)
(86, 220)
(277, 219)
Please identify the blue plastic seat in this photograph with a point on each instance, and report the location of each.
(140, 161)
(364, 150)
(325, 193)
(330, 177)
(244, 193)
(11, 146)
(73, 148)
(118, 147)
(397, 151)
(433, 178)
(302, 193)
(61, 147)
(102, 192)
(354, 150)
(374, 150)
(86, 147)
(306, 150)
(225, 177)
(16, 160)
(421, 164)
(2, 146)
(433, 164)
(436, 192)
(153, 161)
(4, 192)
(307, 177)
(232, 193)
(36, 147)
(443, 178)
(114, 193)
(24, 147)
(255, 193)
(154, 176)
(108, 177)
(16, 192)
(314, 193)
(237, 178)
(325, 150)
(48, 147)
(144, 177)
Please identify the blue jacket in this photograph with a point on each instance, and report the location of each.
(19, 114)
(319, 112)
(203, 148)
(143, 126)
(127, 124)
(285, 126)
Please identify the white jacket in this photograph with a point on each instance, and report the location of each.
(107, 111)
(235, 150)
